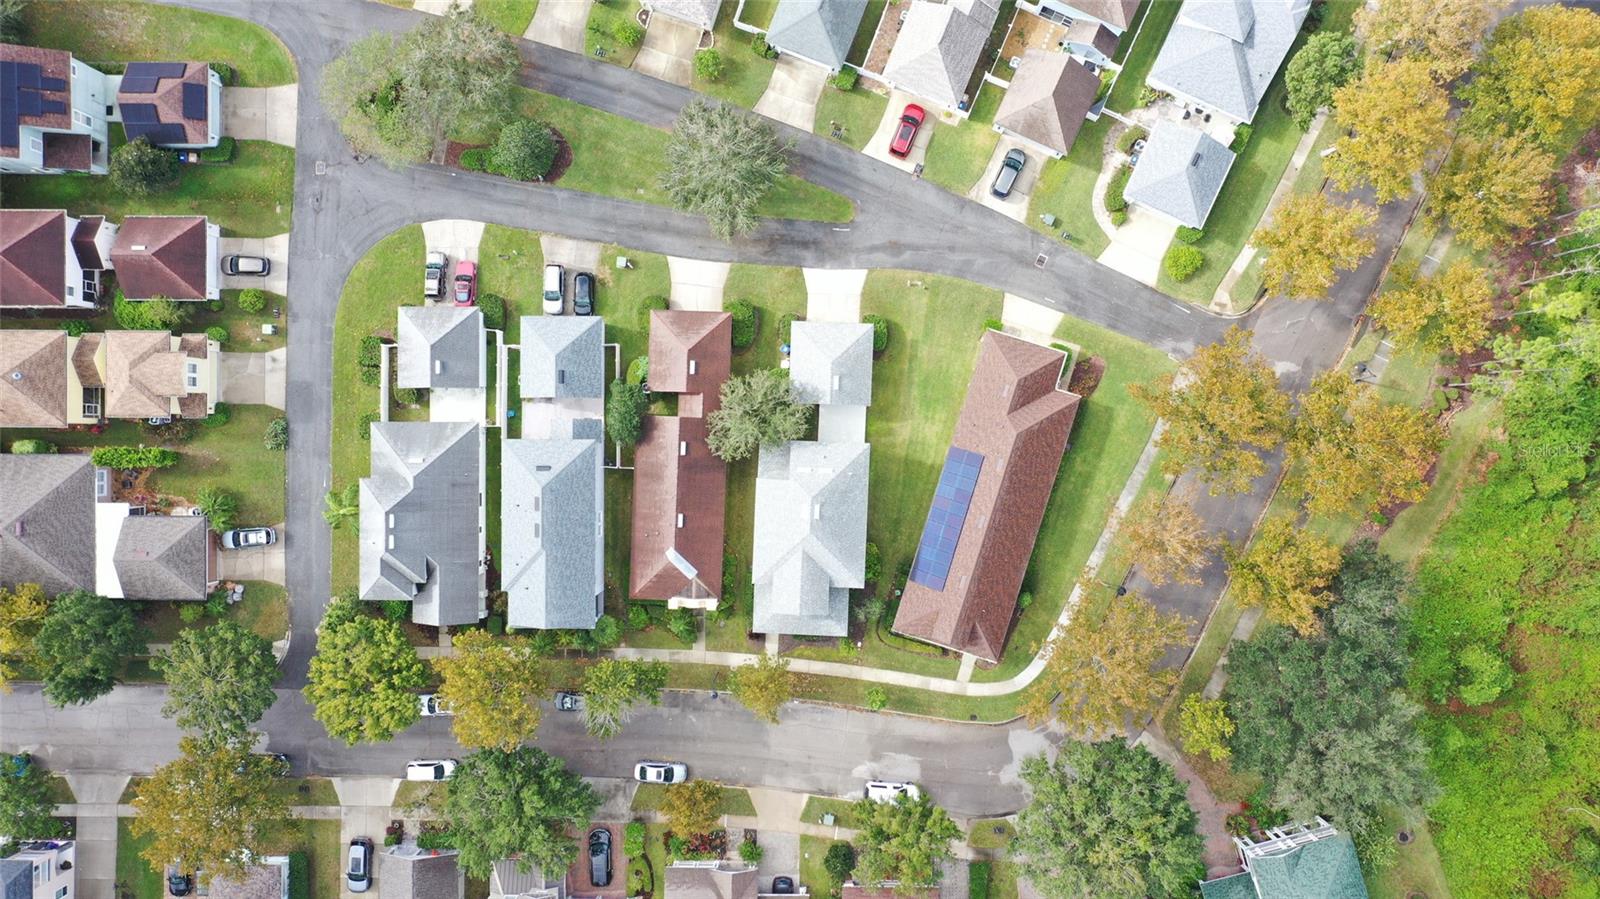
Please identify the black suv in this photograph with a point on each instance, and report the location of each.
(600, 857)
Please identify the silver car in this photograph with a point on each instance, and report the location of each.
(661, 772)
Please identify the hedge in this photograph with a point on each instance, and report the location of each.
(993, 324)
(75, 327)
(745, 323)
(222, 152)
(299, 876)
(493, 307)
(1125, 142)
(252, 299)
(1114, 201)
(1241, 137)
(371, 352)
(880, 332)
(1190, 235)
(786, 326)
(29, 446)
(1182, 261)
(639, 369)
(1119, 218)
(133, 457)
(365, 426)
(762, 48)
(846, 79)
(218, 417)
(475, 159)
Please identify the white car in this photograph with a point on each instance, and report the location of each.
(430, 705)
(555, 291)
(430, 769)
(434, 274)
(890, 791)
(661, 772)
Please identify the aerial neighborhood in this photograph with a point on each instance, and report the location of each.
(749, 449)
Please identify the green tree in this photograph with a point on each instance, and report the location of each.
(22, 612)
(13, 27)
(83, 644)
(522, 804)
(1205, 727)
(219, 680)
(1167, 539)
(340, 506)
(493, 684)
(1106, 819)
(625, 409)
(1309, 240)
(721, 162)
(140, 168)
(26, 810)
(708, 65)
(763, 686)
(218, 506)
(1326, 63)
(1356, 451)
(1393, 117)
(757, 410)
(1447, 311)
(840, 861)
(612, 687)
(525, 150)
(1285, 570)
(211, 808)
(1442, 32)
(1539, 75)
(1222, 407)
(1489, 188)
(364, 678)
(905, 841)
(692, 807)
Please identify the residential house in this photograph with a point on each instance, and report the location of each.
(711, 880)
(552, 488)
(266, 878)
(50, 379)
(679, 486)
(52, 113)
(170, 104)
(1221, 55)
(1114, 15)
(818, 31)
(40, 869)
(1050, 97)
(1090, 41)
(1180, 173)
(59, 529)
(441, 348)
(830, 365)
(171, 256)
(939, 48)
(508, 880)
(406, 872)
(422, 520)
(990, 500)
(50, 260)
(1298, 860)
(696, 12)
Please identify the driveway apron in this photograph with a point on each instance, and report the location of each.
(791, 95)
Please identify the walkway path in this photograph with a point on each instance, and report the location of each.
(96, 811)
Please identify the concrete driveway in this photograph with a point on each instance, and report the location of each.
(668, 50)
(261, 113)
(878, 146)
(364, 811)
(696, 283)
(1137, 247)
(1029, 319)
(255, 379)
(261, 563)
(1015, 206)
(834, 294)
(573, 255)
(559, 23)
(275, 248)
(791, 95)
(457, 238)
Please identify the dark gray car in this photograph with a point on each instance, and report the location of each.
(583, 294)
(1010, 168)
(600, 857)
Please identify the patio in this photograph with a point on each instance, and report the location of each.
(1027, 32)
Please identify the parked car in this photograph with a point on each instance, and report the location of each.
(236, 264)
(245, 538)
(554, 289)
(430, 769)
(433, 274)
(661, 772)
(466, 283)
(583, 294)
(1010, 168)
(569, 702)
(783, 886)
(600, 857)
(358, 871)
(431, 706)
(279, 760)
(906, 134)
(890, 791)
(179, 883)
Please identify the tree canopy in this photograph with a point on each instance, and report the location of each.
(1358, 452)
(140, 168)
(757, 410)
(209, 809)
(1446, 311)
(82, 646)
(1394, 117)
(692, 807)
(721, 162)
(219, 681)
(1311, 239)
(520, 803)
(1166, 539)
(365, 676)
(611, 687)
(1539, 75)
(1489, 188)
(763, 686)
(26, 810)
(1285, 570)
(1106, 819)
(625, 410)
(1326, 63)
(904, 841)
(22, 613)
(493, 684)
(1440, 32)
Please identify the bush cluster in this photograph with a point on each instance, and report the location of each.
(1126, 141)
(493, 307)
(1190, 235)
(364, 427)
(785, 326)
(656, 303)
(762, 48)
(1114, 201)
(218, 417)
(845, 79)
(1241, 137)
(1182, 261)
(525, 150)
(628, 33)
(252, 300)
(133, 457)
(369, 355)
(222, 152)
(277, 436)
(746, 320)
(708, 65)
(29, 446)
(880, 331)
(75, 327)
(217, 333)
(993, 324)
(475, 159)
(639, 370)
(157, 314)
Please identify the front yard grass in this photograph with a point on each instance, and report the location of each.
(306, 790)
(744, 74)
(813, 876)
(958, 154)
(990, 833)
(263, 611)
(1416, 870)
(1065, 189)
(510, 16)
(1414, 528)
(1141, 57)
(134, 875)
(122, 31)
(599, 40)
(855, 112)
(511, 266)
(249, 197)
(843, 811)
(758, 13)
(735, 800)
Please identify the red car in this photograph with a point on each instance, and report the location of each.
(466, 282)
(906, 134)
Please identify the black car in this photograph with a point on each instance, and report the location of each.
(600, 857)
(1010, 168)
(569, 702)
(179, 883)
(783, 885)
(583, 294)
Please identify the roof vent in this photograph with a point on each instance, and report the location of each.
(683, 447)
(561, 376)
(1195, 162)
(816, 511)
(16, 376)
(680, 519)
(139, 248)
(692, 367)
(541, 468)
(438, 366)
(22, 530)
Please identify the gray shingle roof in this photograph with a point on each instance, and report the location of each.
(423, 876)
(16, 878)
(553, 525)
(695, 12)
(47, 522)
(563, 356)
(1048, 99)
(810, 536)
(419, 519)
(440, 346)
(1224, 53)
(1180, 173)
(830, 363)
(508, 879)
(162, 557)
(820, 30)
(938, 47)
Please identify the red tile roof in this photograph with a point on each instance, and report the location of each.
(33, 257)
(161, 256)
(1017, 419)
(681, 340)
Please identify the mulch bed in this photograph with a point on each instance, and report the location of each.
(563, 160)
(453, 151)
(1086, 376)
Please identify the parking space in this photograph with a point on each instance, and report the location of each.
(878, 146)
(580, 881)
(559, 23)
(457, 239)
(364, 811)
(261, 113)
(791, 95)
(696, 283)
(1138, 245)
(668, 50)
(1014, 206)
(834, 294)
(572, 255)
(255, 379)
(276, 251)
(261, 563)
(780, 857)
(1029, 319)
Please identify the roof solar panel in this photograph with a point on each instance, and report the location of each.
(28, 74)
(139, 113)
(155, 132)
(10, 133)
(52, 84)
(132, 84)
(29, 103)
(156, 69)
(941, 533)
(53, 106)
(194, 101)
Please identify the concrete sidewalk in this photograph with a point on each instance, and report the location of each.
(96, 810)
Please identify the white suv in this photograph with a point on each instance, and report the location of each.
(430, 769)
(555, 293)
(891, 791)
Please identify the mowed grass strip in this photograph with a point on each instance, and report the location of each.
(125, 31)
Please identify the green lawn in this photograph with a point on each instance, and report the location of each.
(60, 790)
(735, 800)
(510, 16)
(813, 876)
(598, 39)
(856, 113)
(990, 833)
(1416, 871)
(134, 875)
(511, 265)
(1065, 189)
(306, 790)
(250, 197)
(1158, 18)
(758, 13)
(263, 611)
(1414, 528)
(958, 154)
(843, 811)
(744, 74)
(121, 31)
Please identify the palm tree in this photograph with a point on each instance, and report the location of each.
(218, 506)
(342, 505)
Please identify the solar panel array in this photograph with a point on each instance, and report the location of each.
(20, 87)
(194, 101)
(946, 516)
(144, 77)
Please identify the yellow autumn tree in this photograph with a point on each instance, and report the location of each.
(1311, 239)
(1286, 571)
(1539, 75)
(210, 809)
(1443, 32)
(1356, 452)
(493, 685)
(22, 611)
(1393, 117)
(1446, 311)
(1491, 187)
(1167, 540)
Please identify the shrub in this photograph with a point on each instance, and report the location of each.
(708, 65)
(496, 624)
(252, 300)
(31, 446)
(370, 353)
(223, 70)
(1114, 201)
(217, 333)
(75, 327)
(785, 326)
(639, 369)
(1126, 141)
(750, 852)
(475, 160)
(219, 507)
(1190, 235)
(277, 436)
(840, 862)
(370, 375)
(745, 322)
(1119, 218)
(628, 33)
(1148, 95)
(216, 305)
(1241, 137)
(405, 396)
(625, 409)
(140, 168)
(493, 307)
(873, 567)
(525, 150)
(222, 152)
(299, 876)
(133, 457)
(1182, 261)
(607, 632)
(157, 314)
(395, 609)
(880, 331)
(877, 697)
(762, 48)
(218, 416)
(993, 324)
(682, 624)
(191, 612)
(656, 303)
(978, 880)
(638, 617)
(364, 427)
(633, 836)
(845, 79)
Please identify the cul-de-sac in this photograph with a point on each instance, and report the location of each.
(768, 449)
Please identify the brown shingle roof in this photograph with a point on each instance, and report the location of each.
(83, 242)
(161, 256)
(1019, 422)
(33, 257)
(728, 880)
(85, 363)
(1112, 12)
(67, 152)
(1048, 98)
(679, 337)
(1092, 34)
(167, 97)
(666, 484)
(143, 374)
(33, 379)
(52, 64)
